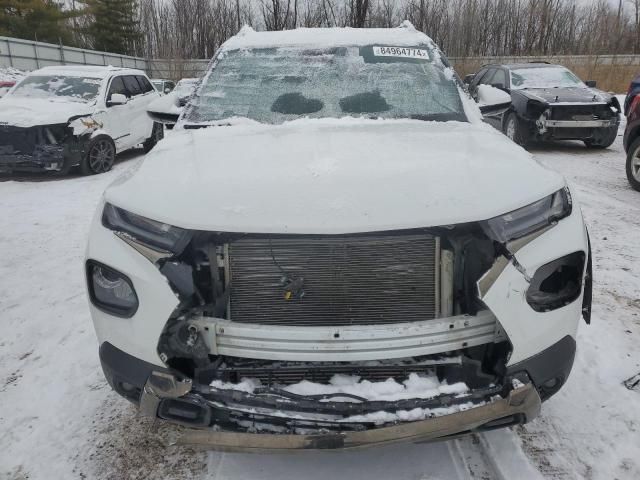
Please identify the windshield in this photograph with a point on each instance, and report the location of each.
(77, 89)
(158, 84)
(273, 85)
(543, 77)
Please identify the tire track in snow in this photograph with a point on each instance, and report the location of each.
(489, 456)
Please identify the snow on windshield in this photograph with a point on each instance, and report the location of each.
(78, 89)
(274, 85)
(543, 77)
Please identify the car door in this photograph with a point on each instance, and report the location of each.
(137, 121)
(144, 122)
(115, 117)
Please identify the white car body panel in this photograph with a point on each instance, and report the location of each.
(529, 331)
(308, 177)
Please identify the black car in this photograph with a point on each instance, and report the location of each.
(631, 140)
(549, 102)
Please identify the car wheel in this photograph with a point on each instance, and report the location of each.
(514, 130)
(157, 134)
(633, 165)
(604, 142)
(100, 156)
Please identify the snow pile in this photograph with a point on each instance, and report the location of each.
(10, 74)
(404, 35)
(415, 386)
(413, 415)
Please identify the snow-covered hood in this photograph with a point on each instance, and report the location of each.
(567, 95)
(28, 112)
(332, 176)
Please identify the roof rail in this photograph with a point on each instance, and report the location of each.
(539, 61)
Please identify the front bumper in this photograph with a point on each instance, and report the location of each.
(521, 405)
(43, 158)
(160, 393)
(546, 123)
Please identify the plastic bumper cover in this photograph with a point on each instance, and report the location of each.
(43, 157)
(159, 393)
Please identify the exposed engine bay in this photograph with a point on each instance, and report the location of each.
(42, 147)
(280, 311)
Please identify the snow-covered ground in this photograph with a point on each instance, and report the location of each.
(59, 419)
(10, 74)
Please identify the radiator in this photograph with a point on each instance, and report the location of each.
(343, 280)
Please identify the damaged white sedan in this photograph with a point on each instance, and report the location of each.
(334, 251)
(60, 117)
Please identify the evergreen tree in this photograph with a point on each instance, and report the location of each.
(114, 25)
(43, 20)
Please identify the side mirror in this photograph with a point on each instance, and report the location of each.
(499, 86)
(167, 90)
(164, 117)
(590, 83)
(469, 78)
(492, 101)
(117, 99)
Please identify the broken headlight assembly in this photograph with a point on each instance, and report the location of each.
(110, 290)
(529, 219)
(149, 232)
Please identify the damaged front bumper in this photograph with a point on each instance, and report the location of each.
(37, 149)
(272, 419)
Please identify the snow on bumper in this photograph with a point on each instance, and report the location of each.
(305, 431)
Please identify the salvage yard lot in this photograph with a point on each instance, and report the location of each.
(60, 419)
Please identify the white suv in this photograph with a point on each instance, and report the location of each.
(59, 117)
(333, 250)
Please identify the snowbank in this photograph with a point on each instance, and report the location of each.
(10, 74)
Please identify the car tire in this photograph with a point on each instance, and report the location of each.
(99, 156)
(633, 164)
(514, 129)
(157, 134)
(604, 142)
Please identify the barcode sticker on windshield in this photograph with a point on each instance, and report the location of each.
(404, 52)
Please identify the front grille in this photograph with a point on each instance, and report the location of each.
(16, 140)
(352, 280)
(580, 112)
(288, 375)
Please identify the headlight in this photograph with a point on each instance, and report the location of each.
(531, 218)
(147, 231)
(110, 290)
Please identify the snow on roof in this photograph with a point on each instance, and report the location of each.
(95, 71)
(404, 35)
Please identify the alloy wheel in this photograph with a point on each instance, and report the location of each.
(101, 156)
(635, 165)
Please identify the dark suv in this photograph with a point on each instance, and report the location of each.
(549, 103)
(632, 133)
